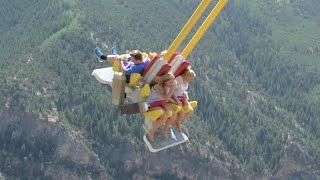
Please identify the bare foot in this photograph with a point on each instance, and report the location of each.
(178, 126)
(165, 133)
(151, 136)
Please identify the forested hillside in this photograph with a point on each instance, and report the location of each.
(257, 85)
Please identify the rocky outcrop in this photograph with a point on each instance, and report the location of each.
(295, 163)
(174, 163)
(65, 151)
(70, 157)
(1, 177)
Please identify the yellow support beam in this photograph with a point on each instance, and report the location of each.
(187, 27)
(204, 27)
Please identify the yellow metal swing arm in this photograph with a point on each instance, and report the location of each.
(200, 32)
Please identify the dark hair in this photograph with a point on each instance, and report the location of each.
(136, 54)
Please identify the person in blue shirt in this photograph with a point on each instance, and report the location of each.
(134, 67)
(133, 64)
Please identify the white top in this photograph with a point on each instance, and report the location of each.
(181, 86)
(154, 96)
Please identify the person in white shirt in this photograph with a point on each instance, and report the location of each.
(161, 94)
(181, 96)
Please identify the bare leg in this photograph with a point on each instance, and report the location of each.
(168, 123)
(112, 57)
(188, 115)
(156, 125)
(151, 134)
(179, 120)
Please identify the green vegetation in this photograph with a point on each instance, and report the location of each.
(255, 92)
(295, 27)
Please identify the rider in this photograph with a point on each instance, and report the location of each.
(182, 98)
(161, 93)
(132, 63)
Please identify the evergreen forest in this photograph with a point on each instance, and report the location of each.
(257, 87)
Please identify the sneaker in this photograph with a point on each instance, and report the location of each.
(98, 52)
(114, 51)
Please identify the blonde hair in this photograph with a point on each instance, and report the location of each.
(162, 80)
(166, 77)
(189, 72)
(163, 52)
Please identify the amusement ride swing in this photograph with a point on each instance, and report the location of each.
(139, 85)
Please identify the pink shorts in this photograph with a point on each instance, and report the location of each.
(183, 99)
(161, 104)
